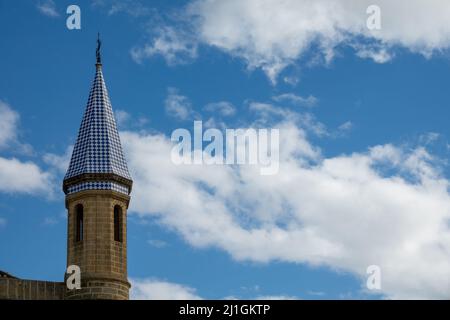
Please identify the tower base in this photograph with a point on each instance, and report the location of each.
(100, 289)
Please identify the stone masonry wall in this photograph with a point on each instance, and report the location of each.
(18, 289)
(98, 289)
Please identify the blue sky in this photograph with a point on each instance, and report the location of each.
(363, 177)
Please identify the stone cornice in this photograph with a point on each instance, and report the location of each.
(93, 177)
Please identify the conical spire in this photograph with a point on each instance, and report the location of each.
(97, 160)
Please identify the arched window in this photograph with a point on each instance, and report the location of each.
(79, 224)
(118, 223)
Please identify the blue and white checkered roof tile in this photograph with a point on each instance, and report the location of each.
(98, 148)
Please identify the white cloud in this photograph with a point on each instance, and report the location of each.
(271, 35)
(122, 117)
(344, 129)
(380, 55)
(157, 243)
(309, 101)
(152, 289)
(291, 80)
(59, 162)
(269, 113)
(386, 206)
(23, 177)
(50, 221)
(16, 175)
(9, 123)
(9, 120)
(126, 120)
(176, 46)
(276, 298)
(316, 293)
(178, 106)
(48, 8)
(429, 138)
(224, 108)
(346, 126)
(131, 7)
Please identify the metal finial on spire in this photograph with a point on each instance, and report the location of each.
(97, 51)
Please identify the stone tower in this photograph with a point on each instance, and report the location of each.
(97, 187)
